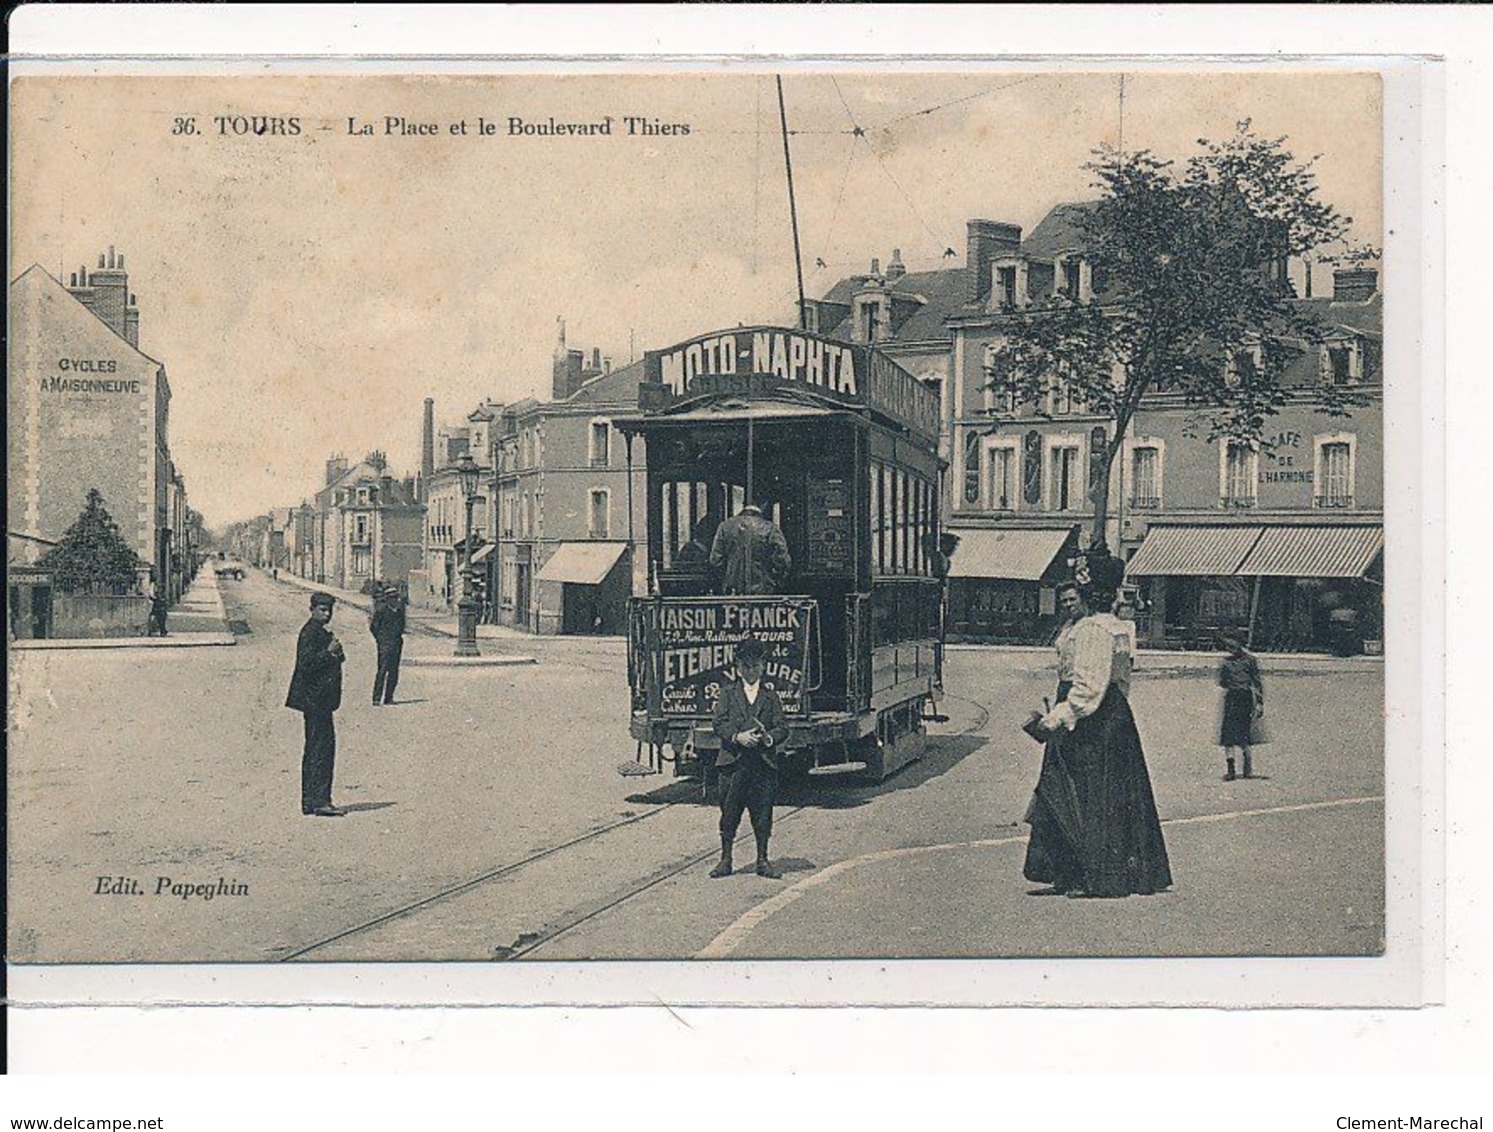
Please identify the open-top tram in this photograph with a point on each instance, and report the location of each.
(839, 447)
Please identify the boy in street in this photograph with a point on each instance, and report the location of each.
(749, 721)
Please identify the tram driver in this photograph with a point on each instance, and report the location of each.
(751, 554)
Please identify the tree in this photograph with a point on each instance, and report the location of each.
(1191, 295)
(92, 556)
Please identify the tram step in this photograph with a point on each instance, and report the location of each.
(837, 768)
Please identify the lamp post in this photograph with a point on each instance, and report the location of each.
(467, 473)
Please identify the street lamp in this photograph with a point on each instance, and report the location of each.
(467, 473)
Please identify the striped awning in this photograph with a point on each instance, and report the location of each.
(586, 563)
(1193, 551)
(1018, 554)
(1313, 552)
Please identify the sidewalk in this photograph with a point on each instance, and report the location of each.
(198, 620)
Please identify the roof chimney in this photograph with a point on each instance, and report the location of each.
(567, 374)
(1354, 284)
(896, 269)
(987, 240)
(875, 266)
(427, 446)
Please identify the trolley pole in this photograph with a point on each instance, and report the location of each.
(798, 260)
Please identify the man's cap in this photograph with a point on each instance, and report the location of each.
(755, 508)
(750, 650)
(320, 598)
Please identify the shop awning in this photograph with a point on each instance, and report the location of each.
(586, 563)
(1193, 551)
(1017, 554)
(481, 555)
(1313, 552)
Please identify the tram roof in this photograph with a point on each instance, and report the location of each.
(725, 410)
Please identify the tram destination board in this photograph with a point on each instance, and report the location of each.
(692, 645)
(840, 371)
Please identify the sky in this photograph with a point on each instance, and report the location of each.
(306, 290)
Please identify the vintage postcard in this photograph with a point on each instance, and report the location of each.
(760, 512)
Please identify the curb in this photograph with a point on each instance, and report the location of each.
(465, 661)
(178, 641)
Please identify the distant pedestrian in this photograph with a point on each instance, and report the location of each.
(387, 626)
(1243, 706)
(316, 692)
(749, 721)
(1095, 830)
(750, 552)
(158, 609)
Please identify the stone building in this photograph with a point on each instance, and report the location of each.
(367, 525)
(87, 408)
(568, 554)
(1267, 541)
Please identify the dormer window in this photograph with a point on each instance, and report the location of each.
(1070, 277)
(1008, 284)
(1342, 363)
(871, 320)
(1243, 366)
(1005, 283)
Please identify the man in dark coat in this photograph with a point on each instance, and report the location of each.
(387, 627)
(749, 721)
(316, 692)
(751, 554)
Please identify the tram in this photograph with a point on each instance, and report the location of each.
(838, 445)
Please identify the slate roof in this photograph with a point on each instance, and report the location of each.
(937, 294)
(615, 388)
(1058, 231)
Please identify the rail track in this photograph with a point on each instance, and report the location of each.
(531, 942)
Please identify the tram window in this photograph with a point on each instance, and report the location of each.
(685, 504)
(914, 521)
(903, 521)
(738, 498)
(883, 507)
(875, 510)
(899, 520)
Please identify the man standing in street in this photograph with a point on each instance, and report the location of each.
(751, 554)
(316, 692)
(387, 627)
(749, 721)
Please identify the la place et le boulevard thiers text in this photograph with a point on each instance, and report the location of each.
(627, 125)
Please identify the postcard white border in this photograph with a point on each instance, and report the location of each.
(1416, 722)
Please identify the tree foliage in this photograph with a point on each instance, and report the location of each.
(1190, 297)
(92, 556)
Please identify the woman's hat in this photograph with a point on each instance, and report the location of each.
(325, 599)
(1097, 569)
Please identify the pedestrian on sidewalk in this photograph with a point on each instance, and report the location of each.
(1243, 706)
(1095, 830)
(158, 609)
(387, 626)
(749, 721)
(316, 692)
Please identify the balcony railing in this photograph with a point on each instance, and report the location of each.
(1329, 501)
(1145, 502)
(1240, 503)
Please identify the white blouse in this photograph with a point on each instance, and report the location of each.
(1093, 653)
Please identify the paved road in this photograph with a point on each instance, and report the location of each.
(183, 764)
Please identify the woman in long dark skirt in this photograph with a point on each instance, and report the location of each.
(1095, 830)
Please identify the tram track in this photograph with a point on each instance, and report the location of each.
(574, 918)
